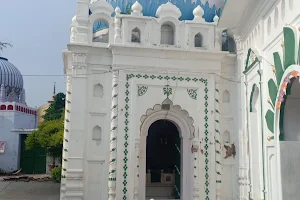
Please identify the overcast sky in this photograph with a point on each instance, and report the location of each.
(38, 31)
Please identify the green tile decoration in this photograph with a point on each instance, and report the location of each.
(167, 91)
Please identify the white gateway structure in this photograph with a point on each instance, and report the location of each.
(174, 105)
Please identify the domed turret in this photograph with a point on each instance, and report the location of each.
(210, 7)
(11, 80)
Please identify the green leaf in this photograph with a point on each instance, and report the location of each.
(272, 91)
(270, 120)
(291, 43)
(278, 67)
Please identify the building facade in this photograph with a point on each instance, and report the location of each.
(16, 118)
(267, 34)
(169, 106)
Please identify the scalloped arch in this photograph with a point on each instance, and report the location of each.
(173, 109)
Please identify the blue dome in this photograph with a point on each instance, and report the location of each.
(10, 76)
(210, 7)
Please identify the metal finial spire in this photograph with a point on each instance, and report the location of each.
(54, 89)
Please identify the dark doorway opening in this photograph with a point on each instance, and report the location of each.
(163, 160)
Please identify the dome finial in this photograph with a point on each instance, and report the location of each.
(136, 9)
(117, 10)
(198, 14)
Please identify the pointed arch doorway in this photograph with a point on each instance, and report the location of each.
(163, 161)
(180, 131)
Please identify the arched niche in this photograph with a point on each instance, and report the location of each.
(167, 33)
(97, 133)
(228, 43)
(136, 35)
(226, 137)
(3, 107)
(10, 107)
(226, 96)
(254, 98)
(98, 90)
(198, 40)
(101, 31)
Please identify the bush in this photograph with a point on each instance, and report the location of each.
(56, 174)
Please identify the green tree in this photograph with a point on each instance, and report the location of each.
(50, 132)
(49, 135)
(56, 109)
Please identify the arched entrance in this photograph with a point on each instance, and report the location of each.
(181, 132)
(163, 161)
(289, 128)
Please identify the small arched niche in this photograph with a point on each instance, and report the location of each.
(226, 138)
(101, 31)
(10, 107)
(3, 107)
(254, 98)
(167, 33)
(97, 133)
(98, 90)
(228, 43)
(198, 40)
(226, 96)
(136, 35)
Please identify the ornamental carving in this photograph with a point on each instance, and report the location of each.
(79, 58)
(142, 90)
(192, 93)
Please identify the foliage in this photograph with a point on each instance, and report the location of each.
(56, 174)
(49, 135)
(4, 45)
(56, 109)
(291, 56)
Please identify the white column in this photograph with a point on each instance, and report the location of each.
(196, 173)
(117, 37)
(113, 137)
(66, 139)
(82, 18)
(77, 123)
(242, 133)
(218, 139)
(137, 167)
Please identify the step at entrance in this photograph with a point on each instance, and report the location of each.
(159, 191)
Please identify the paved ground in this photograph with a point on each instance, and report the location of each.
(29, 190)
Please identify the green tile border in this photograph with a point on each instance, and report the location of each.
(126, 122)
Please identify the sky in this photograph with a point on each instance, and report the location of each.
(39, 31)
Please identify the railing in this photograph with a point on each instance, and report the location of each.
(178, 149)
(177, 169)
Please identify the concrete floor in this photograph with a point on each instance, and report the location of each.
(29, 190)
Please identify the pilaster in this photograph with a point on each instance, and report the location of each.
(196, 172)
(66, 138)
(82, 18)
(113, 137)
(218, 139)
(242, 133)
(76, 142)
(137, 166)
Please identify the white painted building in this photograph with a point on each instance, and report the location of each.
(169, 106)
(16, 118)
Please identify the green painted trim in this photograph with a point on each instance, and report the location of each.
(278, 67)
(166, 92)
(290, 46)
(251, 96)
(249, 66)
